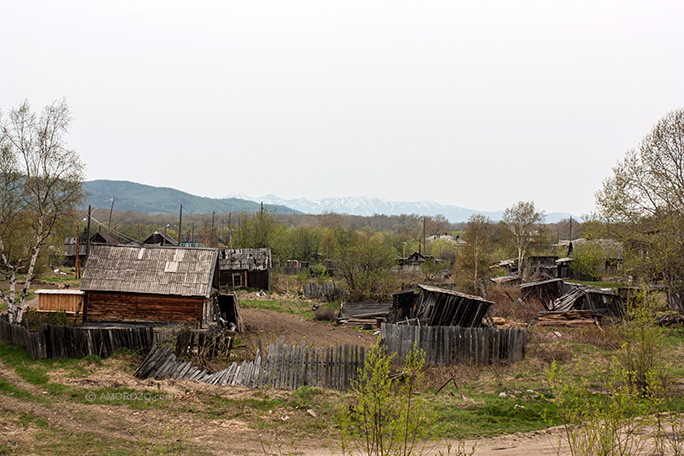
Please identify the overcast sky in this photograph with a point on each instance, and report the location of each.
(478, 104)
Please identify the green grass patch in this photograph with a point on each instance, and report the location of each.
(491, 415)
(291, 307)
(12, 390)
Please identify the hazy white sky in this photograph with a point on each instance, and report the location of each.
(478, 104)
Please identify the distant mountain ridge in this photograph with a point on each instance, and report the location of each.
(366, 206)
(131, 196)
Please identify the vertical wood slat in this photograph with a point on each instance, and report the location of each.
(444, 345)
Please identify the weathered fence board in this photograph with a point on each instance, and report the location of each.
(282, 366)
(444, 345)
(66, 341)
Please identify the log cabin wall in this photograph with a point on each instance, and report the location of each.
(113, 306)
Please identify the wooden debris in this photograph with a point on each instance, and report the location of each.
(567, 318)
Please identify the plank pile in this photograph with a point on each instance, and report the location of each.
(567, 318)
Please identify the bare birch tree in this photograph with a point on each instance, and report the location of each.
(472, 263)
(40, 185)
(523, 220)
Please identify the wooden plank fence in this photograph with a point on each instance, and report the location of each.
(67, 341)
(283, 366)
(446, 345)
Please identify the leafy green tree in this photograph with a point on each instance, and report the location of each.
(363, 261)
(255, 230)
(642, 204)
(523, 220)
(588, 260)
(40, 186)
(300, 243)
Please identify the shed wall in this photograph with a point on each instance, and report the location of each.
(109, 306)
(58, 303)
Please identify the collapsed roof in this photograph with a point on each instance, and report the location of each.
(442, 307)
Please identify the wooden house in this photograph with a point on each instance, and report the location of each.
(70, 244)
(159, 238)
(60, 300)
(541, 264)
(151, 284)
(250, 268)
(413, 261)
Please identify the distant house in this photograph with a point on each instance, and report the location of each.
(455, 240)
(70, 243)
(189, 240)
(509, 267)
(250, 268)
(151, 284)
(413, 261)
(541, 264)
(159, 238)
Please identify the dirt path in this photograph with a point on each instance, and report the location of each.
(269, 326)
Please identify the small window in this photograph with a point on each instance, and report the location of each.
(237, 280)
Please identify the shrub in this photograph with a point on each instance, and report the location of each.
(384, 416)
(324, 314)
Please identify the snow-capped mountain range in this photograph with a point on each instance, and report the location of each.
(366, 206)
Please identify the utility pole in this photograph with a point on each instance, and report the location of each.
(109, 223)
(180, 226)
(230, 231)
(211, 235)
(424, 245)
(88, 235)
(78, 253)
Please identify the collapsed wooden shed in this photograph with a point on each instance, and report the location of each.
(151, 284)
(441, 307)
(601, 301)
(250, 268)
(544, 291)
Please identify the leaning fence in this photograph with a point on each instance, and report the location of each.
(281, 366)
(446, 345)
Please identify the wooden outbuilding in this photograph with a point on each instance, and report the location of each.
(60, 300)
(151, 284)
(441, 307)
(249, 268)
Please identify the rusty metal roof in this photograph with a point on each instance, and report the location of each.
(178, 271)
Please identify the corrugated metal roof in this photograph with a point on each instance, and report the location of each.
(153, 270)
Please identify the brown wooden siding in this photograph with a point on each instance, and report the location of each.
(109, 306)
(58, 303)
